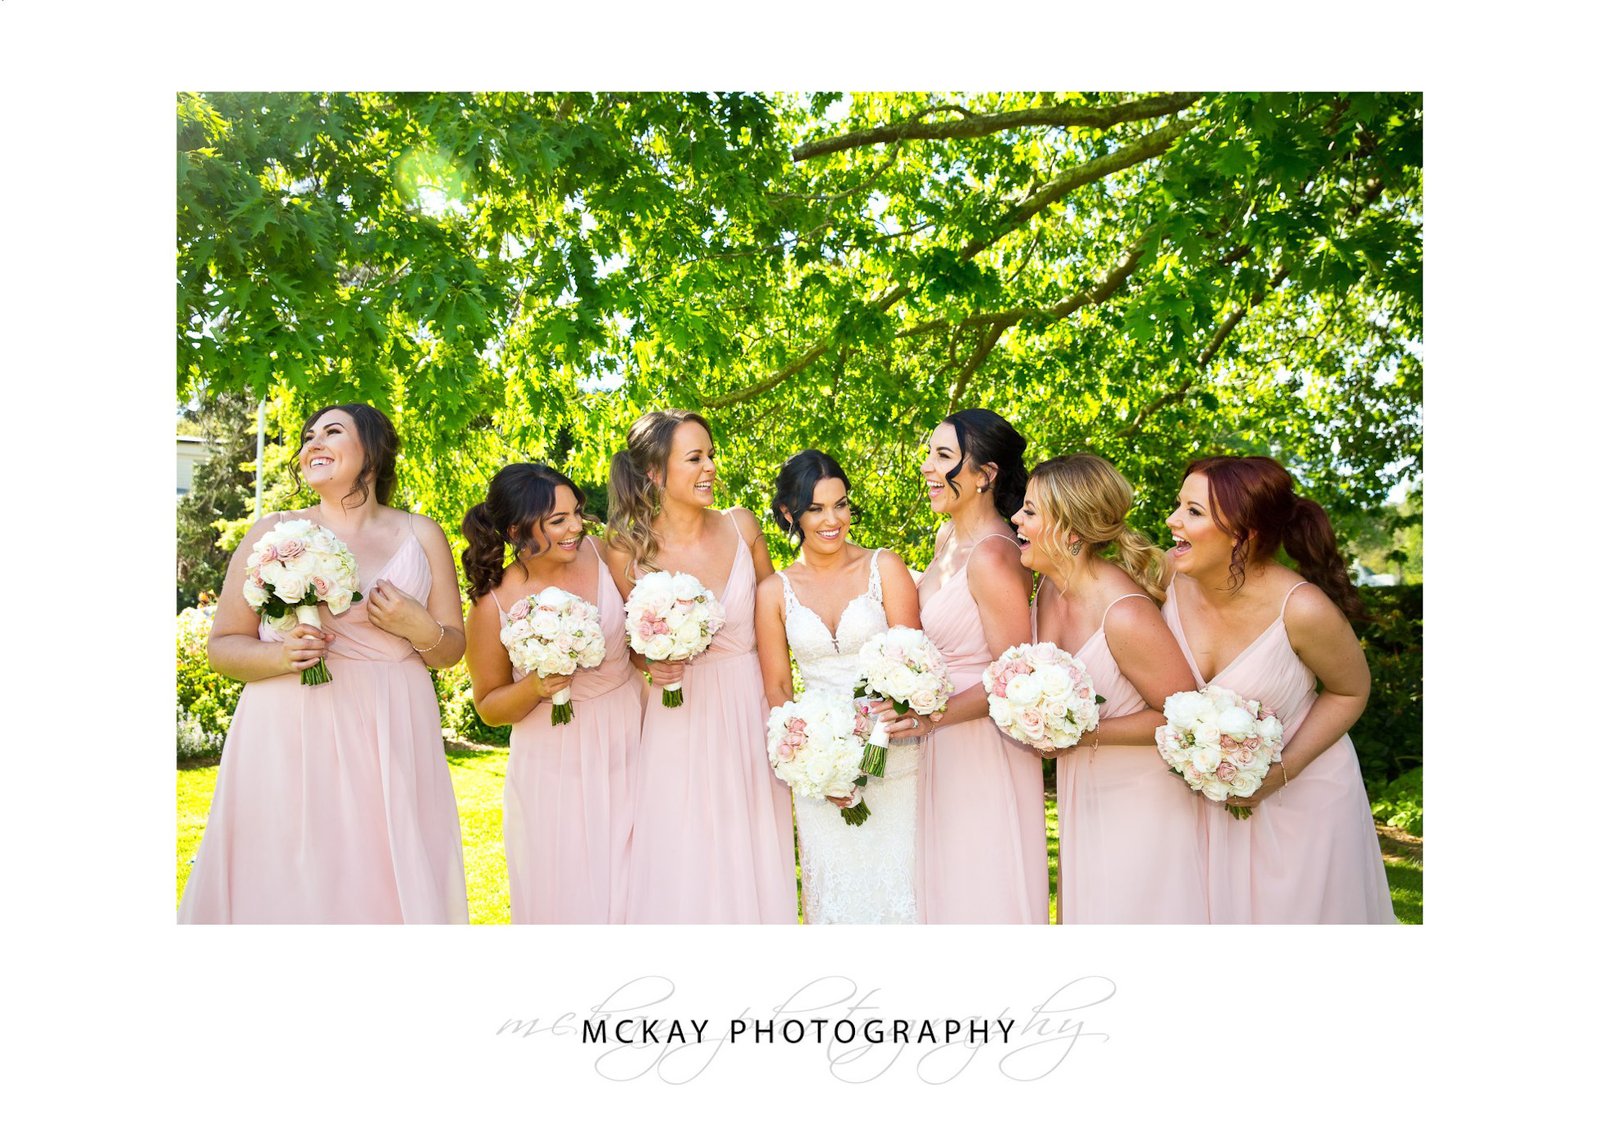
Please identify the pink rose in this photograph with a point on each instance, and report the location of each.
(1226, 771)
(785, 751)
(321, 586)
(519, 610)
(290, 549)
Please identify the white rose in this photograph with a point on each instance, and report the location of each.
(290, 586)
(1207, 733)
(1024, 690)
(1184, 708)
(1236, 722)
(1206, 758)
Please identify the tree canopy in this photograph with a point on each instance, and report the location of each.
(1147, 276)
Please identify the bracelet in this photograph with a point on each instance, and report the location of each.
(436, 642)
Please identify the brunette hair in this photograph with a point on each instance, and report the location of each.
(988, 438)
(632, 495)
(797, 482)
(512, 514)
(1252, 499)
(1083, 493)
(380, 446)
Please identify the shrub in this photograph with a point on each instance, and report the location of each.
(1388, 738)
(1399, 804)
(458, 717)
(205, 698)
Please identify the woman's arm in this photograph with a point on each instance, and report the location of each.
(750, 531)
(1325, 642)
(620, 565)
(900, 603)
(772, 643)
(1149, 657)
(235, 648)
(500, 700)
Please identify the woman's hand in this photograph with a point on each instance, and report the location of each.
(547, 687)
(304, 647)
(398, 613)
(664, 673)
(901, 726)
(1275, 780)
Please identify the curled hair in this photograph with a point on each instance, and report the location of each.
(797, 482)
(380, 446)
(633, 496)
(512, 514)
(1252, 499)
(1083, 494)
(987, 438)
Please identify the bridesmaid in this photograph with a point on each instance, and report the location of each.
(713, 835)
(567, 786)
(334, 803)
(1132, 834)
(981, 832)
(1308, 853)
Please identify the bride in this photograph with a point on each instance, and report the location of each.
(823, 607)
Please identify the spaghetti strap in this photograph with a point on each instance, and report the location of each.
(497, 605)
(1291, 591)
(411, 521)
(991, 535)
(1118, 599)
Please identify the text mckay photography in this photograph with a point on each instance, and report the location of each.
(645, 1028)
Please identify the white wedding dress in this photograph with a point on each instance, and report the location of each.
(854, 874)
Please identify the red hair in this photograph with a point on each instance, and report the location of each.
(1254, 501)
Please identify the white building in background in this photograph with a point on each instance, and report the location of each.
(191, 450)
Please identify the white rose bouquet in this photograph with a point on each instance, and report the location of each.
(672, 617)
(1220, 743)
(291, 569)
(902, 666)
(1041, 696)
(815, 745)
(554, 632)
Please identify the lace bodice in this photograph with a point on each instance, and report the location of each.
(833, 660)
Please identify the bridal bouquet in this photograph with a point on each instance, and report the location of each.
(1220, 743)
(554, 632)
(902, 666)
(291, 569)
(1041, 696)
(672, 617)
(815, 746)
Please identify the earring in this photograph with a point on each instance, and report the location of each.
(1075, 547)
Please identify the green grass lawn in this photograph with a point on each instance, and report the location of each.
(479, 776)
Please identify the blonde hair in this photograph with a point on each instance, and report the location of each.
(633, 498)
(1084, 495)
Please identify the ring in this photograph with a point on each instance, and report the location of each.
(916, 723)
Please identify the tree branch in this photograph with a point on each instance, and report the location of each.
(975, 359)
(976, 126)
(1145, 147)
(1224, 330)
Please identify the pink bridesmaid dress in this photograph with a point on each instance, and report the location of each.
(1133, 837)
(981, 834)
(567, 787)
(333, 803)
(713, 831)
(1308, 854)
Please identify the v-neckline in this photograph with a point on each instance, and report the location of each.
(833, 635)
(1183, 639)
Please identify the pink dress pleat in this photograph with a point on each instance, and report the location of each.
(981, 831)
(1308, 854)
(567, 793)
(333, 804)
(1133, 837)
(713, 831)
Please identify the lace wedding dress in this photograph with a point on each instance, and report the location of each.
(854, 874)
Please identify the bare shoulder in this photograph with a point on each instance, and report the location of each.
(429, 532)
(749, 527)
(990, 559)
(889, 561)
(768, 590)
(1309, 613)
(1135, 619)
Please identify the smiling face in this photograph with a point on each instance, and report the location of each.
(826, 520)
(948, 494)
(1031, 525)
(691, 467)
(331, 456)
(557, 535)
(1200, 544)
